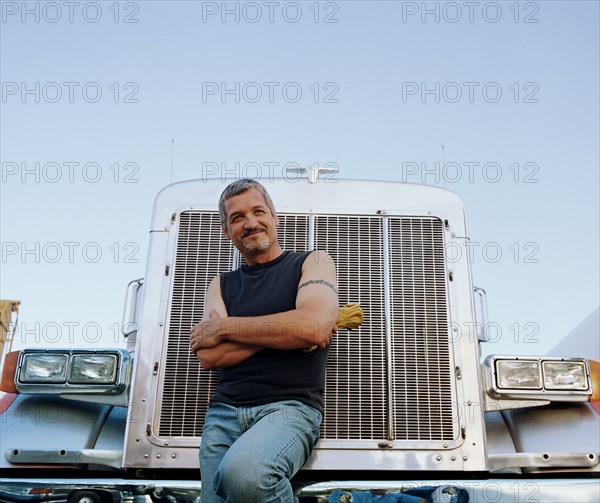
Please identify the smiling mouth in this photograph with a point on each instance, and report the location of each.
(252, 233)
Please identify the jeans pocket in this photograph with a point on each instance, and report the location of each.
(313, 422)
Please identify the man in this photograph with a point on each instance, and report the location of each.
(264, 418)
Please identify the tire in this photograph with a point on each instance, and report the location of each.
(84, 497)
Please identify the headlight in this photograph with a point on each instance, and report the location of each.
(565, 375)
(72, 371)
(520, 374)
(44, 368)
(538, 378)
(93, 369)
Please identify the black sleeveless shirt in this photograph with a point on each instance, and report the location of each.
(271, 374)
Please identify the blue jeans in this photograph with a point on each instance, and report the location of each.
(249, 454)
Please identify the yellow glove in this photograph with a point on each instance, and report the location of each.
(350, 316)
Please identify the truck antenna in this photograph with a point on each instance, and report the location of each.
(443, 166)
(172, 154)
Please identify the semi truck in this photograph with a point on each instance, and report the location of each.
(414, 408)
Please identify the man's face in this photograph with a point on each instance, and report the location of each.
(250, 225)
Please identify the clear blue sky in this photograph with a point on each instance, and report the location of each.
(94, 93)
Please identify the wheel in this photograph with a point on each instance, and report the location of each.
(83, 497)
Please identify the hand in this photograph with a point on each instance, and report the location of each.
(207, 334)
(324, 344)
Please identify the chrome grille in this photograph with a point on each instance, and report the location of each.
(292, 234)
(361, 377)
(355, 384)
(422, 390)
(202, 253)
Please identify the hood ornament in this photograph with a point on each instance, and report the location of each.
(312, 173)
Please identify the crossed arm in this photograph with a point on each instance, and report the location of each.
(220, 340)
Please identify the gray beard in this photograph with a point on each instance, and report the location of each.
(255, 249)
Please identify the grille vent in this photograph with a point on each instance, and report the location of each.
(420, 380)
(358, 388)
(355, 387)
(202, 252)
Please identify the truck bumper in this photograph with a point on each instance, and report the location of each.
(506, 490)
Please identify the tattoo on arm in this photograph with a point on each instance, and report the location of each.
(318, 282)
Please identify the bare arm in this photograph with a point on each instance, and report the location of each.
(312, 322)
(227, 353)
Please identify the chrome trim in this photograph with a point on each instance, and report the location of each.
(312, 172)
(311, 232)
(130, 299)
(235, 259)
(483, 310)
(544, 460)
(112, 458)
(513, 490)
(387, 313)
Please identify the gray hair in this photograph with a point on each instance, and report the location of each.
(239, 187)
